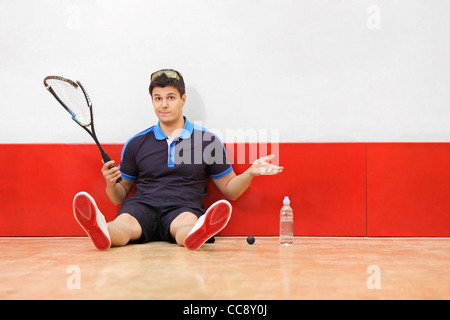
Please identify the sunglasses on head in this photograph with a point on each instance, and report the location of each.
(169, 73)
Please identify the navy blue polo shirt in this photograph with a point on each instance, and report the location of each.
(179, 168)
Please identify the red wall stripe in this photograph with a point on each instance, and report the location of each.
(408, 189)
(336, 189)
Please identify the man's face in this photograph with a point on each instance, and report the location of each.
(168, 104)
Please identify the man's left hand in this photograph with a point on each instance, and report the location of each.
(262, 166)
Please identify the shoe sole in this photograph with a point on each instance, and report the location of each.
(215, 219)
(85, 212)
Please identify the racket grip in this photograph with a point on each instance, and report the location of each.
(120, 178)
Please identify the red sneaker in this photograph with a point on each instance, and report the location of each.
(91, 220)
(209, 224)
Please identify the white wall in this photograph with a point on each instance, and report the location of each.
(320, 71)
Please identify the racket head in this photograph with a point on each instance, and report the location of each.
(72, 96)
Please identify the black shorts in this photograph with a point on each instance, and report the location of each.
(156, 214)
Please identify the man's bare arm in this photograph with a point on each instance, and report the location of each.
(117, 192)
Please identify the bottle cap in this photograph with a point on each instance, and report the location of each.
(286, 200)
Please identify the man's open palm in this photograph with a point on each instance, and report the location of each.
(262, 166)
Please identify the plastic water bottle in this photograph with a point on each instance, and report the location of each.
(286, 223)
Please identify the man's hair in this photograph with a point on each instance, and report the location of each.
(163, 81)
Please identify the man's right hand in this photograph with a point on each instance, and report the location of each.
(110, 175)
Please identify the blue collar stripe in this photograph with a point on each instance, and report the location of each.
(185, 133)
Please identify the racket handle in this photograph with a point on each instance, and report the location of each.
(120, 178)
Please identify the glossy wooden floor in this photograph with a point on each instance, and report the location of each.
(314, 268)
